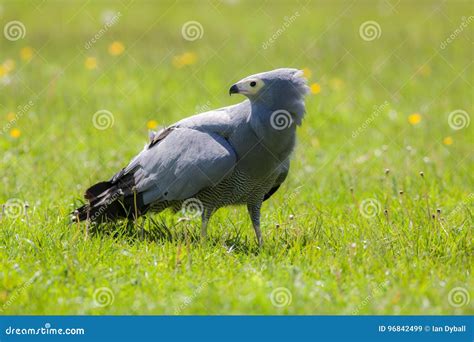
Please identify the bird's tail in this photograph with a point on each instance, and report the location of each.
(107, 201)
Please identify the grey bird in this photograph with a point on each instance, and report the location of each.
(234, 155)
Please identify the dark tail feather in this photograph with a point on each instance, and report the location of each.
(96, 190)
(107, 203)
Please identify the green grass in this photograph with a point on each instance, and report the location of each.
(405, 259)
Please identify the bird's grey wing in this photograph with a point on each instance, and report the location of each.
(282, 174)
(179, 160)
(221, 121)
(178, 163)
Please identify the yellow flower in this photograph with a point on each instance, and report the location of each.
(152, 124)
(414, 118)
(448, 141)
(336, 83)
(9, 65)
(307, 72)
(26, 53)
(15, 133)
(90, 63)
(116, 48)
(3, 72)
(187, 58)
(424, 70)
(11, 116)
(315, 88)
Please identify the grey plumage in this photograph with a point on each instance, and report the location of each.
(233, 155)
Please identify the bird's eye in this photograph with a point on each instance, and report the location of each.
(253, 84)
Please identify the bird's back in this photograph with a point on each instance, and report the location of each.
(257, 167)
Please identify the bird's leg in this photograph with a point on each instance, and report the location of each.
(205, 215)
(254, 212)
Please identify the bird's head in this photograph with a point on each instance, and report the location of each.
(279, 89)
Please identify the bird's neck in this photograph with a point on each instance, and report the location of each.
(276, 128)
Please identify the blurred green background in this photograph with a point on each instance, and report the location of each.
(386, 78)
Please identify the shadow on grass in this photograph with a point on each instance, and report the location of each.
(181, 231)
